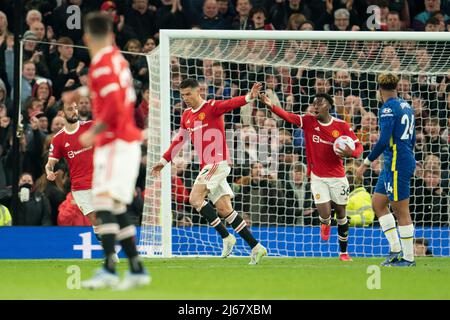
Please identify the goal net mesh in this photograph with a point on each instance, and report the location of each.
(268, 174)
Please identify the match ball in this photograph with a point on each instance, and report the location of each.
(343, 141)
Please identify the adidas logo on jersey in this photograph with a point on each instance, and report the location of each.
(317, 128)
(66, 145)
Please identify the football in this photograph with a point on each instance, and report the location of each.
(341, 142)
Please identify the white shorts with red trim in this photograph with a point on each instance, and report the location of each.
(116, 168)
(215, 178)
(83, 199)
(330, 189)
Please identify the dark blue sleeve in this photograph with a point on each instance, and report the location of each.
(387, 120)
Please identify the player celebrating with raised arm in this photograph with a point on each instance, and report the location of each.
(117, 151)
(396, 142)
(329, 184)
(203, 121)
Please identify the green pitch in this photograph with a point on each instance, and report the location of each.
(214, 278)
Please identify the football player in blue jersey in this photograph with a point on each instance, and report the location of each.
(396, 142)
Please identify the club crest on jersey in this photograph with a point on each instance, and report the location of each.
(201, 116)
(335, 133)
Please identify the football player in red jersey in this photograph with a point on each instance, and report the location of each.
(65, 144)
(117, 151)
(329, 184)
(203, 123)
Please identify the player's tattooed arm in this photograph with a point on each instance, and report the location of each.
(51, 175)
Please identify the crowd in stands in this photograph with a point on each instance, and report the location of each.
(271, 186)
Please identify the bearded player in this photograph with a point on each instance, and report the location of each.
(329, 184)
(203, 121)
(117, 151)
(396, 142)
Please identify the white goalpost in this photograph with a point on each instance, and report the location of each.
(268, 173)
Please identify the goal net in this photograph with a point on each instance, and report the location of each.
(268, 174)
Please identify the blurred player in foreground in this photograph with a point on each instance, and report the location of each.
(117, 151)
(396, 142)
(329, 184)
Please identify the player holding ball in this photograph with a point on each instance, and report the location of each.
(329, 184)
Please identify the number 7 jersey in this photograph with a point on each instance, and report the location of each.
(397, 115)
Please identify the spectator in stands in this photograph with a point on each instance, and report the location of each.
(57, 124)
(389, 59)
(393, 21)
(226, 10)
(142, 20)
(421, 248)
(84, 109)
(341, 21)
(65, 68)
(259, 195)
(433, 25)
(352, 110)
(33, 16)
(3, 27)
(220, 87)
(137, 63)
(34, 207)
(433, 163)
(53, 190)
(258, 20)
(368, 126)
(149, 45)
(31, 53)
(404, 89)
(171, 15)
(5, 101)
(241, 20)
(438, 146)
(430, 202)
(295, 206)
(281, 12)
(307, 26)
(211, 18)
(441, 18)
(42, 90)
(61, 15)
(28, 80)
(431, 7)
(295, 21)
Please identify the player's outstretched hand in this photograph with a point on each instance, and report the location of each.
(51, 176)
(345, 153)
(254, 93)
(360, 171)
(265, 100)
(156, 169)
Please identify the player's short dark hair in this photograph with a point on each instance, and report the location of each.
(388, 81)
(325, 96)
(189, 83)
(98, 24)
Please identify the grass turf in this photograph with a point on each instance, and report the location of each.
(214, 278)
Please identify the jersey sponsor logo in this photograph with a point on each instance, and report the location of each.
(317, 139)
(189, 121)
(197, 128)
(72, 154)
(66, 145)
(201, 116)
(335, 133)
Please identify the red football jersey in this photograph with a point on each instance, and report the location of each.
(206, 129)
(66, 145)
(320, 137)
(113, 96)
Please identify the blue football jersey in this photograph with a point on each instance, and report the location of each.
(397, 136)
